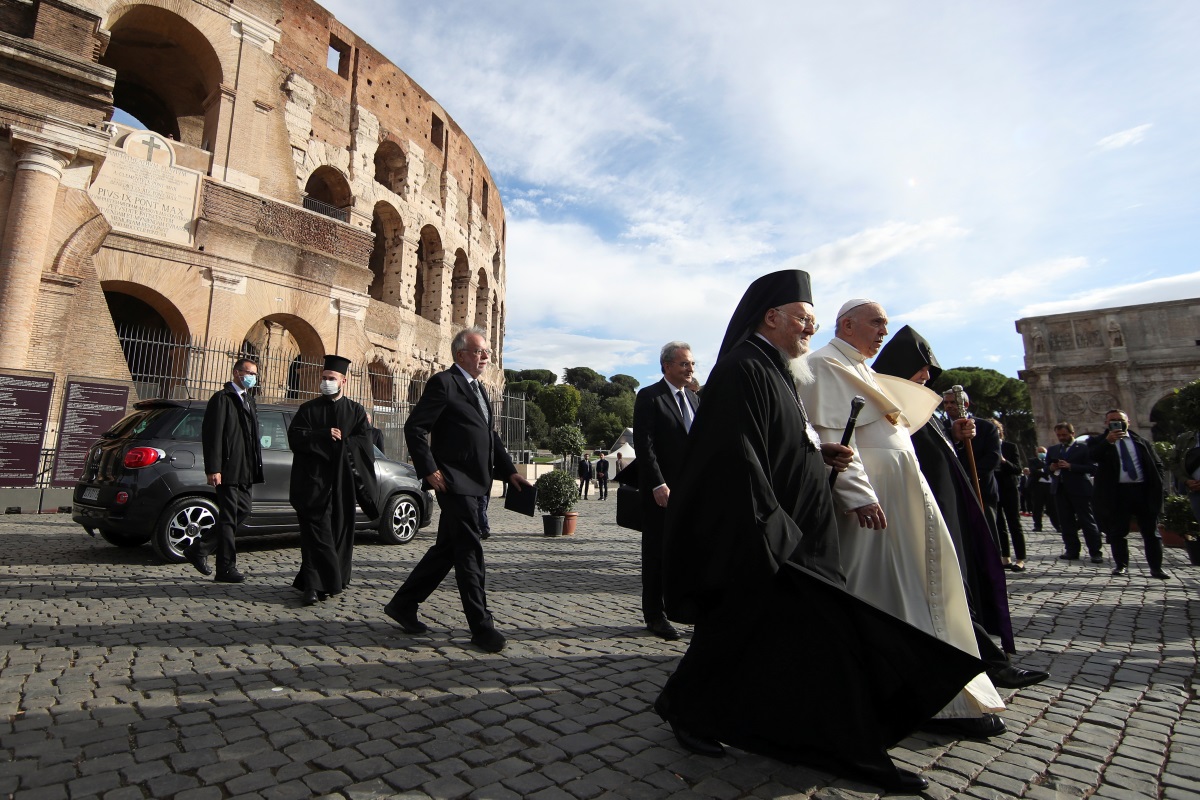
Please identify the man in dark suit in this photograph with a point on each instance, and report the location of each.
(465, 455)
(1008, 512)
(662, 417)
(585, 476)
(1040, 499)
(1071, 469)
(985, 452)
(1129, 483)
(232, 465)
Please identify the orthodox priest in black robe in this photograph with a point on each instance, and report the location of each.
(783, 661)
(908, 355)
(330, 439)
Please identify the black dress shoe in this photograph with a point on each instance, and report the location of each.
(310, 598)
(968, 727)
(1011, 677)
(891, 780)
(1120, 570)
(688, 740)
(1069, 557)
(406, 618)
(1097, 559)
(489, 641)
(1158, 573)
(663, 630)
(200, 562)
(233, 576)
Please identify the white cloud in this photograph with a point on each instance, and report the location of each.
(1124, 138)
(1155, 290)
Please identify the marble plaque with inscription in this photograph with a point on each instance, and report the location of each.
(141, 191)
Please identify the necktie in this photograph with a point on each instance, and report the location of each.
(1127, 460)
(684, 409)
(483, 409)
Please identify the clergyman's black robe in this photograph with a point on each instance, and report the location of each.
(783, 661)
(322, 488)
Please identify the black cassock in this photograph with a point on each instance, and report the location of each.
(322, 488)
(783, 661)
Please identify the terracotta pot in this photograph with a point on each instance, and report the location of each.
(1172, 539)
(569, 523)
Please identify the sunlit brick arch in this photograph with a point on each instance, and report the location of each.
(430, 285)
(289, 352)
(169, 70)
(329, 186)
(387, 257)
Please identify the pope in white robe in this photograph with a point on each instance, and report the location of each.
(909, 566)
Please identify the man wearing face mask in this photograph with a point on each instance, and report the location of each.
(232, 464)
(330, 439)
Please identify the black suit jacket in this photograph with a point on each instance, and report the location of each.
(464, 446)
(1008, 472)
(658, 434)
(1038, 470)
(230, 438)
(1108, 471)
(1076, 480)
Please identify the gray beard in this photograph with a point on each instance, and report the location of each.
(801, 370)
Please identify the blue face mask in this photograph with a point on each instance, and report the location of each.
(1042, 456)
(249, 381)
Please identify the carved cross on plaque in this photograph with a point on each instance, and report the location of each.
(151, 146)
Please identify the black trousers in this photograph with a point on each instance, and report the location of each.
(1074, 514)
(458, 546)
(584, 485)
(1042, 500)
(233, 506)
(654, 518)
(1132, 502)
(1008, 523)
(603, 484)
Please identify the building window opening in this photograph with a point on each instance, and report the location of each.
(484, 200)
(437, 132)
(338, 57)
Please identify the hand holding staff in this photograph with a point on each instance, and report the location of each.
(856, 405)
(960, 397)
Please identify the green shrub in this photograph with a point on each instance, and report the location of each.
(556, 492)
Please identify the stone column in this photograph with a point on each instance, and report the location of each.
(39, 167)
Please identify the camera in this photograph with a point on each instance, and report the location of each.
(1117, 425)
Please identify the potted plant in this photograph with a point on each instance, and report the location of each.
(556, 496)
(1179, 526)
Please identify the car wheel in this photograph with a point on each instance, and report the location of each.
(400, 520)
(183, 522)
(124, 539)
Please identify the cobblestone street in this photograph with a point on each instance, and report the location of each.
(121, 677)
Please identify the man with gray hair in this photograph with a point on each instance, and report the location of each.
(458, 453)
(896, 550)
(662, 417)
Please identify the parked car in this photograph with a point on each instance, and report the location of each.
(144, 482)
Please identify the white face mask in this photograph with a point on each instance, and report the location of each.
(329, 386)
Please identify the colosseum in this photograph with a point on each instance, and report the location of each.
(186, 180)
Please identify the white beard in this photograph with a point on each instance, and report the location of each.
(801, 370)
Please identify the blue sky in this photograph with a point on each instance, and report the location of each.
(966, 164)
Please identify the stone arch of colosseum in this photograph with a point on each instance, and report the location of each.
(432, 277)
(169, 74)
(387, 256)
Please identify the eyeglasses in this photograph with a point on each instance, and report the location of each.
(805, 321)
(691, 364)
(479, 351)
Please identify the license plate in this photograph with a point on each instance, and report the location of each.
(91, 493)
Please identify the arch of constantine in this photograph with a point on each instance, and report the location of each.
(243, 178)
(1081, 364)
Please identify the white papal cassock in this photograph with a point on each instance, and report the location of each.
(910, 568)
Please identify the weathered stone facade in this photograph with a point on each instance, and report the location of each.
(1080, 365)
(288, 185)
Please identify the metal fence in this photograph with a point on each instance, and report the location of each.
(163, 365)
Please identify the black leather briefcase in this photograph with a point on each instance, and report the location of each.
(629, 507)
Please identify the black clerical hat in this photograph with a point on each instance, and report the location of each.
(337, 364)
(767, 292)
(905, 354)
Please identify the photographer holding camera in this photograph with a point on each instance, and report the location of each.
(1129, 484)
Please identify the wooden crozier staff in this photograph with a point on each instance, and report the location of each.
(960, 397)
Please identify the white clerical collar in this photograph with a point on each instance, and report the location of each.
(850, 351)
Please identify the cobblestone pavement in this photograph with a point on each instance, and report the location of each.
(124, 678)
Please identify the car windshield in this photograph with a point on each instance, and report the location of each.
(132, 426)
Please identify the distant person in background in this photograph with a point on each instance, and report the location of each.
(1008, 513)
(376, 434)
(232, 465)
(1186, 462)
(620, 465)
(1071, 469)
(1023, 491)
(602, 477)
(585, 476)
(1040, 498)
